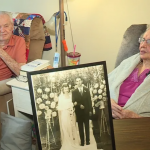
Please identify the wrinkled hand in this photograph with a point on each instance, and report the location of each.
(75, 103)
(81, 106)
(129, 114)
(116, 110)
(120, 113)
(2, 47)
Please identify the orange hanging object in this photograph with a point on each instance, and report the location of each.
(65, 45)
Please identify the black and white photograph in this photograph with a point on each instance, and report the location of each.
(71, 108)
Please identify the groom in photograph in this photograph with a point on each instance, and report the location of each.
(83, 108)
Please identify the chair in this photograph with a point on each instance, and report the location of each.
(130, 45)
(35, 41)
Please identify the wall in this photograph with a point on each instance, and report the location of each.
(97, 26)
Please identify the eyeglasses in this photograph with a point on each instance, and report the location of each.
(141, 40)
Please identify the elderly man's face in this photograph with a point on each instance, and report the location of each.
(6, 27)
(145, 47)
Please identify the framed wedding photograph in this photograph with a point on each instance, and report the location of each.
(71, 107)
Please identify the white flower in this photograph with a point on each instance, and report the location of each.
(39, 90)
(100, 96)
(42, 106)
(51, 95)
(47, 116)
(44, 96)
(104, 82)
(47, 102)
(39, 100)
(100, 91)
(49, 111)
(104, 94)
(94, 91)
(104, 98)
(102, 86)
(95, 97)
(46, 107)
(55, 99)
(53, 104)
(105, 89)
(39, 113)
(47, 90)
(96, 85)
(54, 114)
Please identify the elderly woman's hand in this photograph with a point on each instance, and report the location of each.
(116, 110)
(129, 114)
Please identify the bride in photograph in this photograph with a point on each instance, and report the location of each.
(69, 137)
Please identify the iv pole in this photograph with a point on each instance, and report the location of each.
(62, 32)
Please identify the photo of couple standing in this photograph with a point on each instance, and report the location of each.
(71, 109)
(76, 106)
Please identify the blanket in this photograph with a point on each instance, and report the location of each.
(139, 102)
(22, 25)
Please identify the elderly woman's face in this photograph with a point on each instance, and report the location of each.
(6, 27)
(145, 47)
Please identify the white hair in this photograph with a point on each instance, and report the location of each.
(8, 14)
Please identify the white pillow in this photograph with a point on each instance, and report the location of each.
(16, 133)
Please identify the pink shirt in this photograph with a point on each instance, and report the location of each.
(130, 84)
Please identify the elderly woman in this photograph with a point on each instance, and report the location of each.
(129, 84)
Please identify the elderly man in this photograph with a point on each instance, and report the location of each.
(12, 51)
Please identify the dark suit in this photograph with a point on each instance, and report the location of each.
(82, 115)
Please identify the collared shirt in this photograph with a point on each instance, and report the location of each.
(16, 49)
(80, 89)
(129, 85)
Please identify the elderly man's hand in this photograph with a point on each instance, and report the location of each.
(116, 110)
(75, 103)
(81, 106)
(1, 48)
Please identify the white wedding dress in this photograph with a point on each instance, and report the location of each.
(68, 127)
(69, 137)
